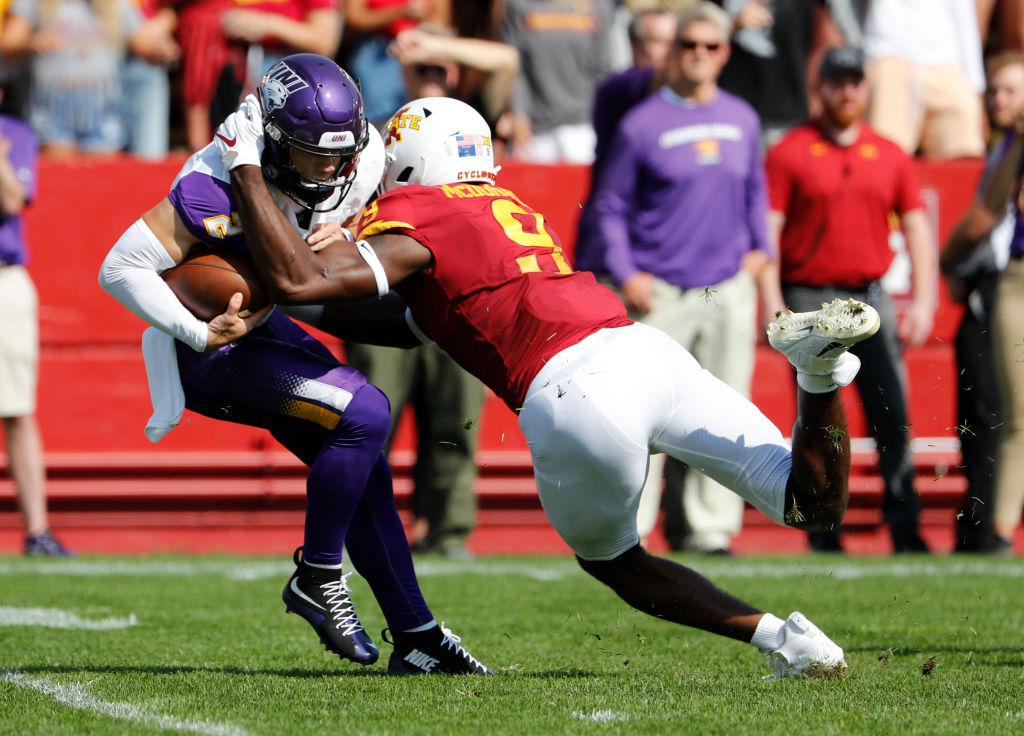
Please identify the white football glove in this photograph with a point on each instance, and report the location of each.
(239, 139)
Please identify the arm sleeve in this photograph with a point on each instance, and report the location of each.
(131, 274)
(613, 200)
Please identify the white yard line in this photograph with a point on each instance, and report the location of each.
(549, 569)
(55, 618)
(78, 697)
(600, 716)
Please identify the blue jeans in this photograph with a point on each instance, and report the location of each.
(89, 117)
(380, 76)
(147, 108)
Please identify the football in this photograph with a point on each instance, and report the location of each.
(205, 281)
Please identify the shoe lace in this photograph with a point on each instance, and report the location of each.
(343, 611)
(452, 642)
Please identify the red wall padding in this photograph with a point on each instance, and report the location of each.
(93, 395)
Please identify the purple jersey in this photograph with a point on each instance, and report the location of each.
(682, 194)
(22, 156)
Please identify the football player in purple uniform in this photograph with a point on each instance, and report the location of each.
(322, 163)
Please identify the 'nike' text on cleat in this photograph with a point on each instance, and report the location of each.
(431, 652)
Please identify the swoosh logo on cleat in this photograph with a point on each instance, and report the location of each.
(808, 329)
(295, 589)
(229, 141)
(421, 660)
(830, 346)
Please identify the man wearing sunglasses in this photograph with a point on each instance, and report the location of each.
(681, 203)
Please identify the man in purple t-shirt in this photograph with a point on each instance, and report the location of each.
(682, 208)
(19, 338)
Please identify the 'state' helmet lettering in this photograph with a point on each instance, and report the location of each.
(437, 140)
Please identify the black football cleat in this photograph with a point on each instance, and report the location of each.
(432, 652)
(321, 596)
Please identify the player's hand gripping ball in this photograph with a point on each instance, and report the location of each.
(205, 281)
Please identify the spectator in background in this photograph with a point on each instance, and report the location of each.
(447, 401)
(924, 67)
(833, 183)
(206, 60)
(563, 46)
(19, 338)
(1006, 19)
(1004, 188)
(776, 50)
(147, 88)
(652, 33)
(269, 30)
(971, 261)
(682, 206)
(76, 49)
(373, 25)
(477, 71)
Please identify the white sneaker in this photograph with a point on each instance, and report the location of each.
(805, 651)
(816, 342)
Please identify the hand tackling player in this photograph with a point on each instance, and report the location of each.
(306, 135)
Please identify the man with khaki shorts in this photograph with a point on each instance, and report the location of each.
(19, 339)
(924, 67)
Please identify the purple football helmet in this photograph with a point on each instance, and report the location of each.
(311, 105)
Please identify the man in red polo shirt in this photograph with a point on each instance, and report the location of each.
(833, 184)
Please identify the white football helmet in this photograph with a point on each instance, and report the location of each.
(437, 140)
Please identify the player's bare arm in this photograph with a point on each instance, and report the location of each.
(167, 226)
(293, 272)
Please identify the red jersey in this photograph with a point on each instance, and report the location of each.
(837, 201)
(499, 298)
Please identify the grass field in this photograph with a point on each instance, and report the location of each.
(201, 645)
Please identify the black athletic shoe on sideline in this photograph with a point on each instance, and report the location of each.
(321, 596)
(45, 545)
(431, 652)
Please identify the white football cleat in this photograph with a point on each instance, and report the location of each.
(805, 651)
(816, 342)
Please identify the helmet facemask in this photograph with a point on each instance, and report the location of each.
(292, 165)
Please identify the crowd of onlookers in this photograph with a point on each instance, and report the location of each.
(720, 134)
(147, 76)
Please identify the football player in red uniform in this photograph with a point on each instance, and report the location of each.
(484, 276)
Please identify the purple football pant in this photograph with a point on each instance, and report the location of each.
(281, 379)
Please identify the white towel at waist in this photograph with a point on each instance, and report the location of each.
(165, 392)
